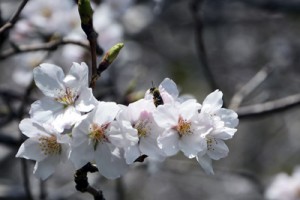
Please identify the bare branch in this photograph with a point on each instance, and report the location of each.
(14, 18)
(274, 5)
(249, 87)
(97, 194)
(196, 5)
(26, 182)
(269, 107)
(52, 45)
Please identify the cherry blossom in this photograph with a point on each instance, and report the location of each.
(65, 96)
(140, 131)
(284, 187)
(182, 131)
(45, 145)
(92, 140)
(221, 122)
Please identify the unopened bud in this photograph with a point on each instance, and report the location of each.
(85, 11)
(113, 52)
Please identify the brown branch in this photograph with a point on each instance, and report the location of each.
(14, 18)
(195, 6)
(292, 7)
(49, 46)
(82, 184)
(26, 181)
(269, 107)
(98, 194)
(93, 46)
(250, 86)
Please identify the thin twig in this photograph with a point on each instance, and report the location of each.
(249, 87)
(9, 141)
(82, 183)
(98, 194)
(92, 38)
(292, 7)
(14, 18)
(43, 192)
(269, 107)
(26, 182)
(196, 5)
(49, 46)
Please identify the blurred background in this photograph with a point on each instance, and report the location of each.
(249, 49)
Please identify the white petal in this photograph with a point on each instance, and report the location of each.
(109, 160)
(217, 150)
(81, 130)
(30, 128)
(224, 133)
(205, 163)
(45, 110)
(105, 112)
(189, 109)
(122, 134)
(49, 79)
(166, 116)
(82, 154)
(31, 149)
(132, 153)
(168, 142)
(46, 167)
(68, 117)
(86, 100)
(139, 106)
(148, 146)
(170, 86)
(212, 102)
(77, 76)
(229, 117)
(191, 145)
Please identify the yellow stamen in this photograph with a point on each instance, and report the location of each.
(97, 134)
(141, 128)
(49, 145)
(183, 127)
(67, 98)
(210, 142)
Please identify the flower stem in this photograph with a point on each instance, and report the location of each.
(82, 183)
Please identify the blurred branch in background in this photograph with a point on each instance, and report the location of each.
(269, 107)
(292, 7)
(196, 7)
(249, 87)
(13, 19)
(49, 46)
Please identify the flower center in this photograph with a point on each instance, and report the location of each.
(97, 134)
(67, 98)
(140, 126)
(46, 12)
(210, 142)
(183, 127)
(49, 145)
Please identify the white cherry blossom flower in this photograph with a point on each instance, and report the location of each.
(50, 16)
(221, 122)
(45, 145)
(92, 140)
(284, 187)
(182, 130)
(140, 131)
(66, 96)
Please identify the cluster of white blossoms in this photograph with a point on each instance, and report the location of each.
(70, 124)
(284, 186)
